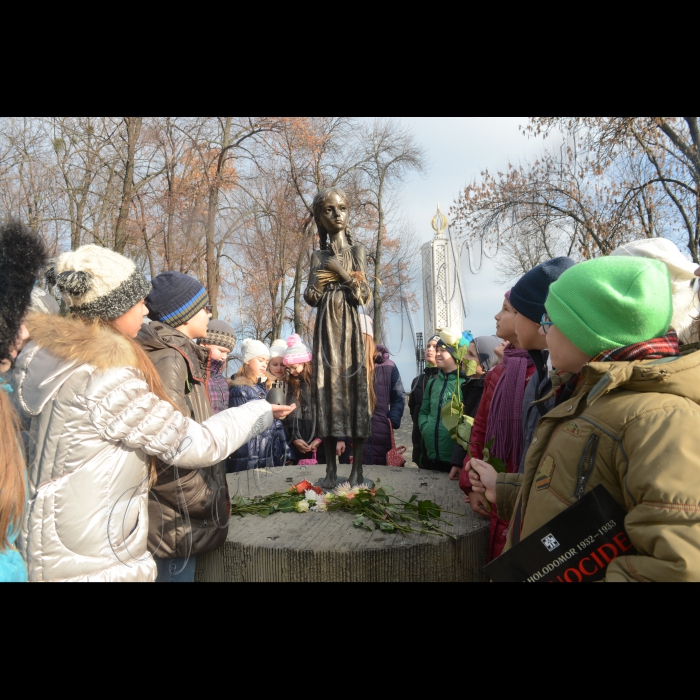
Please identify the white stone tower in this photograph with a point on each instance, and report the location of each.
(442, 297)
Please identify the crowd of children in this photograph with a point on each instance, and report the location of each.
(593, 389)
(117, 434)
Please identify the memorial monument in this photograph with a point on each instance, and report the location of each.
(338, 287)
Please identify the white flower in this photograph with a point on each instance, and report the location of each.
(311, 496)
(321, 507)
(303, 507)
(451, 337)
(329, 498)
(344, 491)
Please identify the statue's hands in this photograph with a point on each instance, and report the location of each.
(334, 265)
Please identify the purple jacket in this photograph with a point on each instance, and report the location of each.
(391, 404)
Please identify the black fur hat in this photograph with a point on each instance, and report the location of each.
(22, 255)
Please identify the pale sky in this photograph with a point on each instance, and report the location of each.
(458, 149)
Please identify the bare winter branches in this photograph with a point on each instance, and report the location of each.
(602, 181)
(227, 199)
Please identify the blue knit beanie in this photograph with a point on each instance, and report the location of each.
(176, 299)
(528, 297)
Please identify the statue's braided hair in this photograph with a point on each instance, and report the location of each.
(319, 199)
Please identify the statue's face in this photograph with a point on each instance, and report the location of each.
(334, 213)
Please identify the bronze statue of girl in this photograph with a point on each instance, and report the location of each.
(338, 286)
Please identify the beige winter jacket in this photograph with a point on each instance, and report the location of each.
(94, 426)
(634, 428)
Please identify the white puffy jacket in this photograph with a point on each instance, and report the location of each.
(94, 426)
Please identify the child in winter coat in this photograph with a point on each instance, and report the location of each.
(103, 425)
(415, 401)
(301, 425)
(387, 397)
(269, 449)
(220, 342)
(482, 352)
(438, 441)
(22, 254)
(631, 426)
(500, 419)
(277, 370)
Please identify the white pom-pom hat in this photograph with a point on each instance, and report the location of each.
(252, 349)
(297, 353)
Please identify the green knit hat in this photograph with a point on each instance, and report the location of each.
(611, 303)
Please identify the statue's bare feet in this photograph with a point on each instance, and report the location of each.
(331, 479)
(357, 478)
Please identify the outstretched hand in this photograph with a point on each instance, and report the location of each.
(281, 412)
(483, 477)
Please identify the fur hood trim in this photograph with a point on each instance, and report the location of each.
(84, 343)
(242, 381)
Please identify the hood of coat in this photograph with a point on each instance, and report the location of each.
(156, 336)
(383, 355)
(678, 376)
(60, 347)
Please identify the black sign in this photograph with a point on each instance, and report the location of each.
(576, 546)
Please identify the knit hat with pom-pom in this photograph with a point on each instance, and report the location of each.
(297, 353)
(252, 349)
(278, 349)
(98, 283)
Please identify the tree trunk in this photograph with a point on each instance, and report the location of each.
(298, 279)
(378, 330)
(133, 133)
(213, 278)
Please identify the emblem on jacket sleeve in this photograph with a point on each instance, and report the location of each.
(572, 428)
(550, 542)
(544, 474)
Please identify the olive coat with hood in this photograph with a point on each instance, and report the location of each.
(631, 427)
(189, 511)
(94, 427)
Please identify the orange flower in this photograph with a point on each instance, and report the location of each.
(317, 490)
(303, 487)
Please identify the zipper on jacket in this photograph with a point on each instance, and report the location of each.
(586, 466)
(439, 418)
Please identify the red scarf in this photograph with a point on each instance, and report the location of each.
(655, 349)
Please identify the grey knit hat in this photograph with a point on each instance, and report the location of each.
(98, 283)
(221, 335)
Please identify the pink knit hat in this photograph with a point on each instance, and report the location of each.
(297, 353)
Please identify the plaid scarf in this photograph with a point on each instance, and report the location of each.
(217, 387)
(655, 349)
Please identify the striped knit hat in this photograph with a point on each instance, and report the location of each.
(98, 283)
(221, 335)
(176, 299)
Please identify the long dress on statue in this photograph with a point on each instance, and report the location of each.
(339, 385)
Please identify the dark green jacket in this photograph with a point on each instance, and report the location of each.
(439, 392)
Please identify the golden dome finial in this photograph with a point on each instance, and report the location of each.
(439, 223)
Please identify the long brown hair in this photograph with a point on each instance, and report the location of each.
(371, 360)
(304, 378)
(150, 374)
(13, 489)
(246, 373)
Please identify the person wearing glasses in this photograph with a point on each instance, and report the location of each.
(631, 425)
(183, 523)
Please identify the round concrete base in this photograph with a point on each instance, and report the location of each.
(328, 548)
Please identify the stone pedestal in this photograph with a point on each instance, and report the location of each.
(327, 548)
